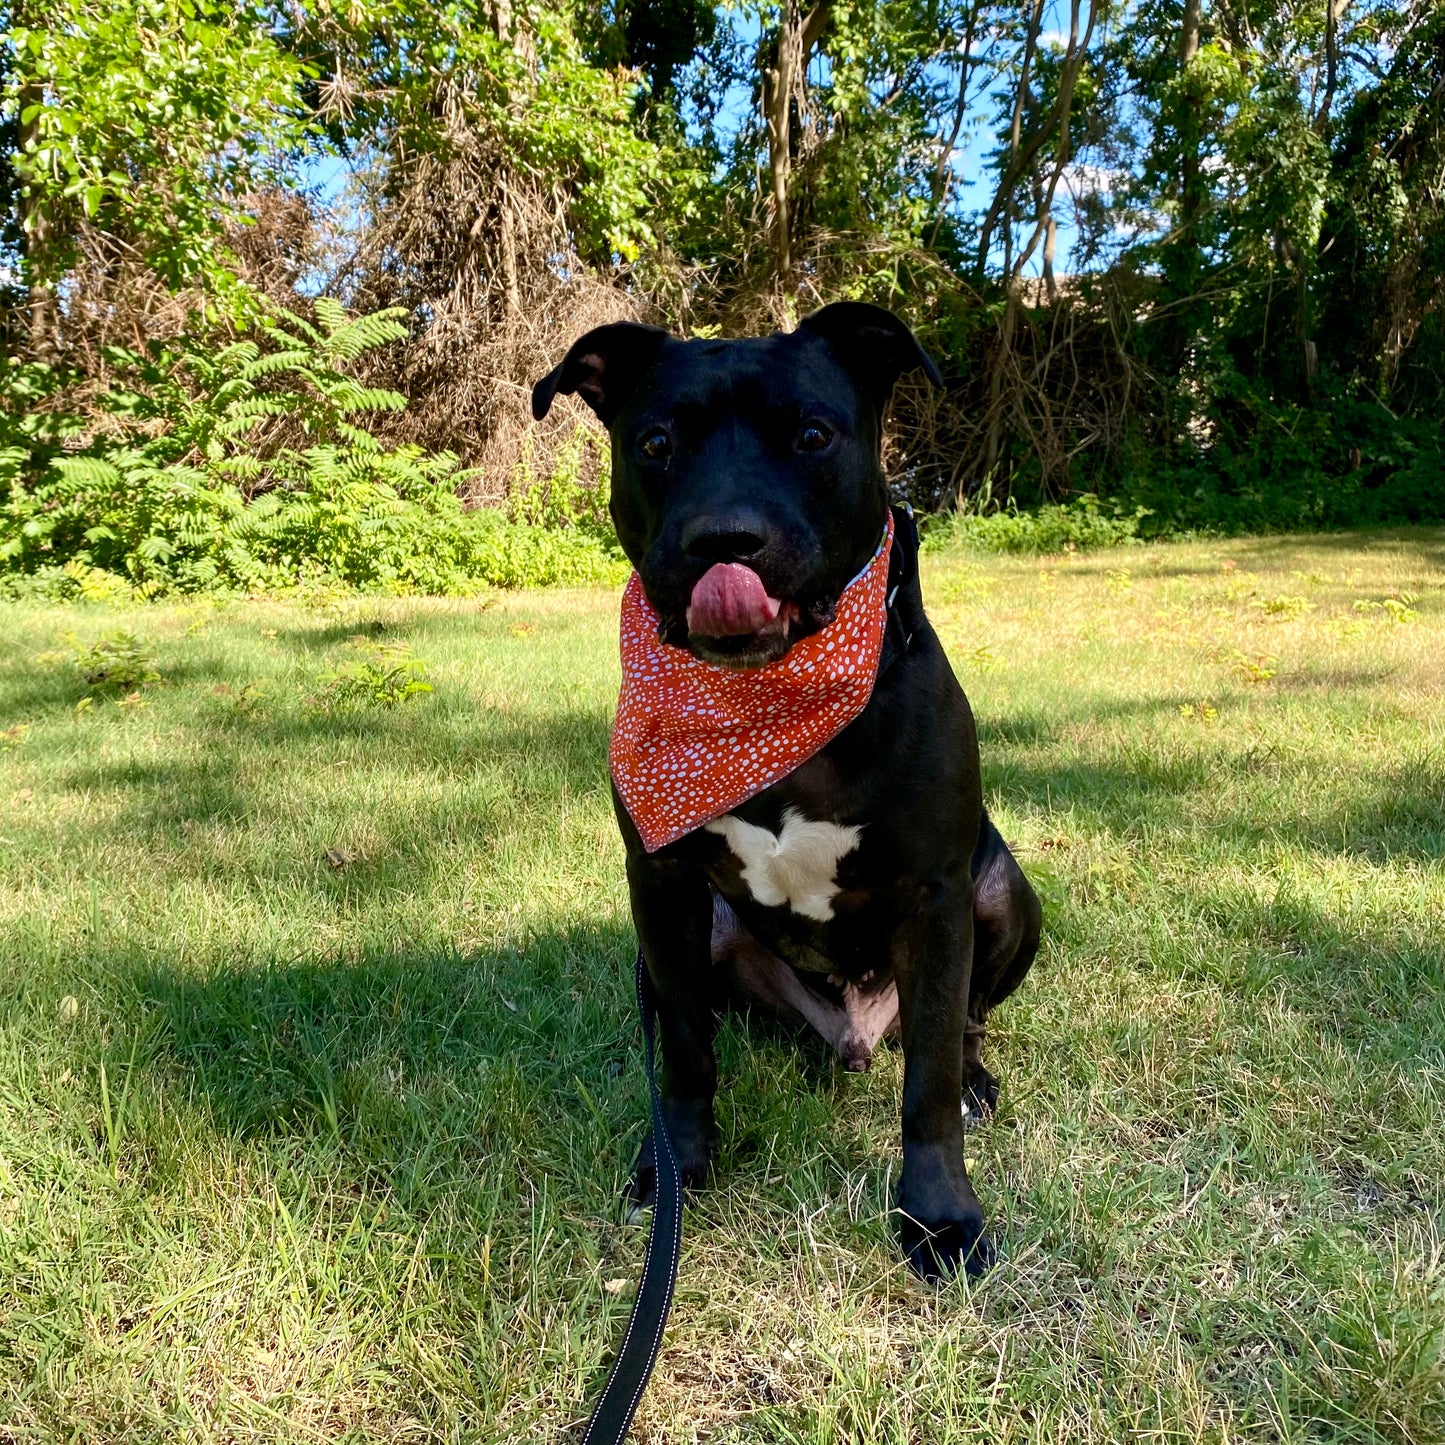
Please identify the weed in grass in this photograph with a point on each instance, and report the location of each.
(246, 701)
(1204, 712)
(116, 662)
(1399, 609)
(12, 737)
(114, 1112)
(1239, 586)
(966, 585)
(1255, 669)
(388, 676)
(1288, 607)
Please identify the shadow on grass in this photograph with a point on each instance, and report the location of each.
(50, 689)
(404, 626)
(420, 1071)
(425, 1073)
(423, 1070)
(231, 782)
(1396, 811)
(1399, 814)
(1427, 543)
(999, 730)
(1330, 679)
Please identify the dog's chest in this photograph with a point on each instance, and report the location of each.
(795, 867)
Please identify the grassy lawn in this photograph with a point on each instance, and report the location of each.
(319, 1075)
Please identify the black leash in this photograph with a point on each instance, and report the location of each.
(633, 1365)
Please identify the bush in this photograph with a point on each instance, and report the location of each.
(1268, 466)
(252, 469)
(1051, 528)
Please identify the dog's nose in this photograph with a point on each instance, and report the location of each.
(714, 541)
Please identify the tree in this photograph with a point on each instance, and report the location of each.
(142, 127)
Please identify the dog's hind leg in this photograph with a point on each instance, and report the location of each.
(1007, 918)
(850, 1019)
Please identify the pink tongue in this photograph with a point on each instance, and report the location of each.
(730, 601)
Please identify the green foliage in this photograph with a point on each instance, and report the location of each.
(150, 120)
(252, 468)
(1074, 526)
(522, 84)
(1251, 336)
(115, 662)
(387, 676)
(562, 500)
(1269, 465)
(32, 430)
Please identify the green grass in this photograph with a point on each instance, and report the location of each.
(319, 1076)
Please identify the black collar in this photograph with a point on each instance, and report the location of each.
(902, 585)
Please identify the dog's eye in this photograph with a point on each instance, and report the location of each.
(814, 437)
(656, 446)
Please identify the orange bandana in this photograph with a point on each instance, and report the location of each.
(692, 740)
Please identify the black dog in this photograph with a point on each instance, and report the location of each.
(766, 452)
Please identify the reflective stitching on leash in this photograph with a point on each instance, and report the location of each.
(676, 1247)
(659, 1133)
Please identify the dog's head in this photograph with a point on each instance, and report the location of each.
(747, 488)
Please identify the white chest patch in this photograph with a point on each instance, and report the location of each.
(796, 867)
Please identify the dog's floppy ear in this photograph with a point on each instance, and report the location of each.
(602, 367)
(873, 344)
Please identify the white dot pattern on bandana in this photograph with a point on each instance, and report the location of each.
(691, 741)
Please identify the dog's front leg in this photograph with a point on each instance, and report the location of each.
(941, 1223)
(672, 911)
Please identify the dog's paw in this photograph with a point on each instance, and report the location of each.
(937, 1243)
(980, 1097)
(937, 1251)
(694, 1159)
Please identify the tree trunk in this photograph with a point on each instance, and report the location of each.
(993, 444)
(941, 174)
(42, 313)
(1046, 227)
(1017, 160)
(500, 12)
(511, 284)
(1334, 13)
(1182, 264)
(1190, 201)
(783, 83)
(1308, 351)
(1051, 231)
(777, 98)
